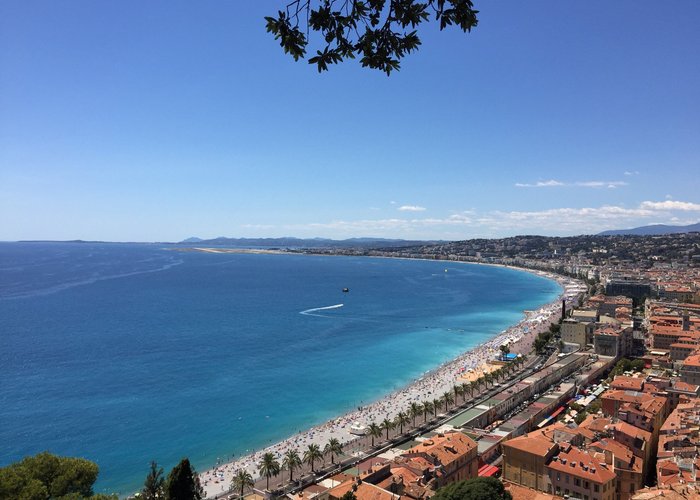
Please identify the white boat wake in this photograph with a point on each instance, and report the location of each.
(310, 312)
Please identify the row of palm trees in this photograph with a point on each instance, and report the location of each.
(292, 461)
(269, 466)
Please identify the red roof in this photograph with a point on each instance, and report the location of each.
(557, 412)
(488, 470)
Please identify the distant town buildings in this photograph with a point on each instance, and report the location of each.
(572, 429)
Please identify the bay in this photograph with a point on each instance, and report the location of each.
(127, 353)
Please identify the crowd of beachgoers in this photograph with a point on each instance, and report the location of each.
(466, 367)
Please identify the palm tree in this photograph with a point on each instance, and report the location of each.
(269, 467)
(242, 480)
(387, 425)
(291, 461)
(466, 388)
(375, 431)
(436, 406)
(448, 399)
(470, 387)
(416, 409)
(401, 420)
(427, 408)
(457, 389)
(312, 453)
(487, 378)
(333, 447)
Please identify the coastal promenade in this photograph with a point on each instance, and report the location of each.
(362, 448)
(430, 387)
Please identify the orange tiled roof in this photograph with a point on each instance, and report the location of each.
(581, 464)
(362, 491)
(627, 383)
(446, 448)
(536, 443)
(693, 360)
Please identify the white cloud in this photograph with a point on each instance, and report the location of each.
(600, 184)
(671, 205)
(633, 172)
(549, 183)
(411, 208)
(497, 223)
(589, 184)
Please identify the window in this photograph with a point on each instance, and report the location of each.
(596, 488)
(577, 481)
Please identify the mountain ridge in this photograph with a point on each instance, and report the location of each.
(653, 229)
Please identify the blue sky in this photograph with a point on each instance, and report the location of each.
(160, 120)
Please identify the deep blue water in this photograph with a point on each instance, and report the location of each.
(125, 354)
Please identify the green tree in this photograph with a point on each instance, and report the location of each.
(183, 483)
(540, 344)
(479, 488)
(379, 34)
(48, 476)
(402, 419)
(291, 461)
(375, 431)
(333, 448)
(427, 409)
(241, 481)
(504, 350)
(415, 410)
(349, 495)
(448, 399)
(268, 467)
(312, 453)
(466, 388)
(458, 391)
(154, 485)
(387, 425)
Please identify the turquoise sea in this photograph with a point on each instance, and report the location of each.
(127, 353)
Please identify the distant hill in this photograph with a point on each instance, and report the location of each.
(289, 242)
(654, 229)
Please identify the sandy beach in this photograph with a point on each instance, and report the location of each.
(430, 386)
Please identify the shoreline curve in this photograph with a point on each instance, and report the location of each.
(216, 480)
